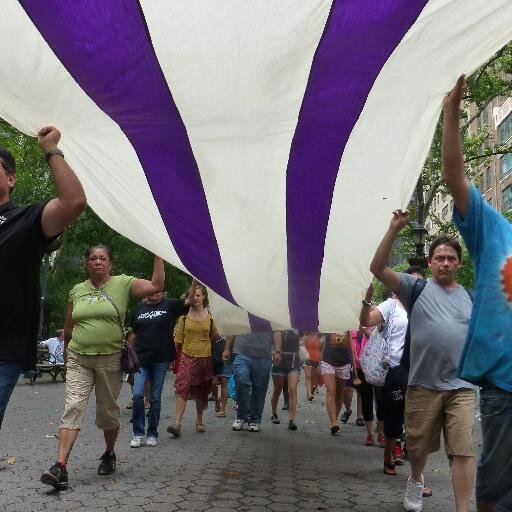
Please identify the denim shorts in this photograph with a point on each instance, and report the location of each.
(493, 480)
(279, 371)
(225, 371)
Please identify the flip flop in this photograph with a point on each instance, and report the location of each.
(221, 414)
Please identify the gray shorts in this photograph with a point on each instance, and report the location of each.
(495, 465)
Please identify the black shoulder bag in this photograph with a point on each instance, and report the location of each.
(129, 361)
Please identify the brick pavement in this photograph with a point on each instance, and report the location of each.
(219, 471)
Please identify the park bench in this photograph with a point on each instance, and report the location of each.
(46, 363)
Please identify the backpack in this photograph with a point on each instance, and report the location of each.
(419, 285)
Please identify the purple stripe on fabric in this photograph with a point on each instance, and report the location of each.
(359, 37)
(259, 324)
(106, 47)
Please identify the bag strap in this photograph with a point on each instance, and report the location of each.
(119, 320)
(418, 287)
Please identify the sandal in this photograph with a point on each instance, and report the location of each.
(335, 429)
(200, 428)
(221, 414)
(175, 430)
(310, 398)
(389, 469)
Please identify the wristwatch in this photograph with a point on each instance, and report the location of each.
(51, 153)
(366, 303)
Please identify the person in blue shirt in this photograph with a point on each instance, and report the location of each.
(487, 356)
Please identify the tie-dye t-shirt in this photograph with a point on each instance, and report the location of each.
(487, 355)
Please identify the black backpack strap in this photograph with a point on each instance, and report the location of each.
(405, 361)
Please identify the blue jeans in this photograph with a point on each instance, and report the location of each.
(251, 376)
(495, 465)
(155, 373)
(9, 373)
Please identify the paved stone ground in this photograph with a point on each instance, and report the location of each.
(219, 471)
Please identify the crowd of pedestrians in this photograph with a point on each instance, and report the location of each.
(438, 341)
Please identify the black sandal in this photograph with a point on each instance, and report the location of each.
(335, 429)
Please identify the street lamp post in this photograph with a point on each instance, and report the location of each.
(419, 236)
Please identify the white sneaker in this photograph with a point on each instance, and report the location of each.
(136, 441)
(238, 424)
(254, 427)
(151, 441)
(413, 498)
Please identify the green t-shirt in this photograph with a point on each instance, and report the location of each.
(96, 329)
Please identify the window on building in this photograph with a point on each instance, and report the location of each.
(506, 165)
(485, 117)
(445, 212)
(507, 198)
(505, 129)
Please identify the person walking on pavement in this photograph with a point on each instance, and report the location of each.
(195, 333)
(251, 368)
(287, 372)
(94, 335)
(335, 369)
(312, 344)
(25, 233)
(437, 400)
(392, 315)
(153, 325)
(487, 357)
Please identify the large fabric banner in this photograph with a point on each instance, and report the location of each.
(258, 145)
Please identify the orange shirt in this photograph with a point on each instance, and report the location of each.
(312, 345)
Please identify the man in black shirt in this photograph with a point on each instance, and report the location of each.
(153, 327)
(25, 232)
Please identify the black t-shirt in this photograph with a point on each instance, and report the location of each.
(22, 244)
(290, 341)
(153, 326)
(335, 352)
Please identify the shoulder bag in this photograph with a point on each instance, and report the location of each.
(374, 358)
(129, 361)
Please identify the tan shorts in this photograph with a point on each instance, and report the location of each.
(427, 412)
(101, 372)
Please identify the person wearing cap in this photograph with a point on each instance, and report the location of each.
(25, 232)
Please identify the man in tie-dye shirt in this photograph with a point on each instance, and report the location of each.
(487, 356)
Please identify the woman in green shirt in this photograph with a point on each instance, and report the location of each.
(93, 339)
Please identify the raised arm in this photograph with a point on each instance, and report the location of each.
(369, 316)
(379, 265)
(453, 158)
(191, 293)
(142, 287)
(60, 212)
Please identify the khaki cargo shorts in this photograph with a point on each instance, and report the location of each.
(427, 412)
(85, 372)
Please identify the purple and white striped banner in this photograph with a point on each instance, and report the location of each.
(260, 146)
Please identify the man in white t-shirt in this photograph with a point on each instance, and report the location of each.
(55, 347)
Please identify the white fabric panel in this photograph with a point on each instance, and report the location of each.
(228, 318)
(239, 93)
(393, 134)
(36, 90)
